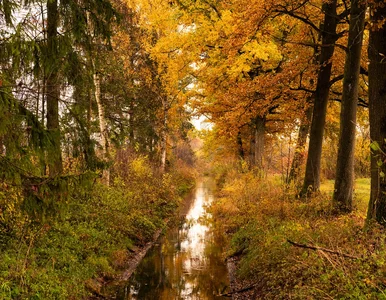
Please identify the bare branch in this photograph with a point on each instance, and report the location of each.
(316, 248)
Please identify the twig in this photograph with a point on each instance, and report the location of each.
(237, 291)
(316, 248)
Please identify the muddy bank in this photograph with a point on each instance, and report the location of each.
(137, 258)
(103, 288)
(240, 289)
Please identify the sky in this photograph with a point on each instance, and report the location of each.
(201, 122)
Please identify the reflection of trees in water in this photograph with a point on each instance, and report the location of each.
(175, 271)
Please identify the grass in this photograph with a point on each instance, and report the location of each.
(361, 193)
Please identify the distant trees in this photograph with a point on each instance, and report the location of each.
(52, 89)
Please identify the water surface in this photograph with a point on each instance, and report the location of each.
(186, 263)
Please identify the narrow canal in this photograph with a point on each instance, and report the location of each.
(186, 262)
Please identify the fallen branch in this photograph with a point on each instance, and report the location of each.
(237, 291)
(316, 248)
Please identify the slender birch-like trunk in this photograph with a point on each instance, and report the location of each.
(165, 106)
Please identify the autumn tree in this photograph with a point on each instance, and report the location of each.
(167, 44)
(377, 109)
(243, 73)
(328, 37)
(299, 155)
(344, 181)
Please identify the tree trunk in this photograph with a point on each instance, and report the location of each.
(2, 147)
(252, 147)
(299, 155)
(105, 143)
(131, 124)
(256, 151)
(87, 144)
(259, 142)
(89, 111)
(328, 33)
(53, 91)
(344, 181)
(240, 149)
(165, 105)
(377, 110)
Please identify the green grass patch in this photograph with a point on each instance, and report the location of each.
(361, 192)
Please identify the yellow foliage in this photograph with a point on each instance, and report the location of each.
(140, 167)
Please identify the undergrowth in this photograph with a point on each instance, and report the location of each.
(92, 237)
(260, 215)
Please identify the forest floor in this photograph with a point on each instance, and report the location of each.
(281, 247)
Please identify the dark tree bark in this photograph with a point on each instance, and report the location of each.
(131, 124)
(377, 110)
(299, 156)
(256, 152)
(329, 36)
(53, 90)
(240, 149)
(259, 142)
(252, 147)
(344, 181)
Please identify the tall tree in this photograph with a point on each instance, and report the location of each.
(104, 136)
(167, 44)
(344, 180)
(329, 37)
(53, 89)
(377, 110)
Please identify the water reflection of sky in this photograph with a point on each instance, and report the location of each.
(187, 263)
(194, 243)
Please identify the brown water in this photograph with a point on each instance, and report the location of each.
(186, 263)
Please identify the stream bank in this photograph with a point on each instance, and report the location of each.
(186, 262)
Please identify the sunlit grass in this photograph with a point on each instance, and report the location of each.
(362, 192)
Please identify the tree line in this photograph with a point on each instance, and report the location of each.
(82, 79)
(266, 66)
(79, 83)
